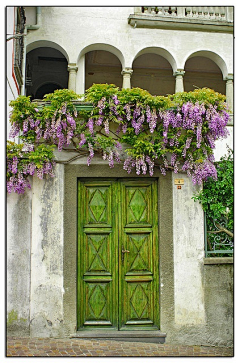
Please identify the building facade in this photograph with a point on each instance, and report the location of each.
(71, 270)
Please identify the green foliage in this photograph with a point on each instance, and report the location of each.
(39, 155)
(182, 127)
(22, 107)
(206, 95)
(98, 91)
(137, 95)
(60, 97)
(217, 196)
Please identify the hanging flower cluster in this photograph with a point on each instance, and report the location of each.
(24, 160)
(176, 133)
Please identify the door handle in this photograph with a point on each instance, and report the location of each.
(123, 252)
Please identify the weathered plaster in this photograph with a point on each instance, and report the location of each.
(218, 291)
(47, 256)
(188, 236)
(19, 210)
(188, 288)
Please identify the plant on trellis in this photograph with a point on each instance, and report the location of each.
(177, 132)
(217, 200)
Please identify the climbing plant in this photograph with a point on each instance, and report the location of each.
(144, 132)
(217, 200)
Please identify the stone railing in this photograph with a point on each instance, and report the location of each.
(218, 13)
(202, 18)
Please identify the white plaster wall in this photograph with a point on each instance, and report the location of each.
(188, 241)
(223, 144)
(11, 88)
(47, 256)
(18, 260)
(109, 25)
(18, 218)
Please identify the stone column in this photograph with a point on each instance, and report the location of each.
(179, 80)
(72, 69)
(229, 91)
(126, 73)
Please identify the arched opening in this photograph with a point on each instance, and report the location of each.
(46, 71)
(102, 67)
(202, 72)
(45, 89)
(153, 73)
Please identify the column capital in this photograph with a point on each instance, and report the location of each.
(127, 71)
(72, 67)
(179, 72)
(229, 77)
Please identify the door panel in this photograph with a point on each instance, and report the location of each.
(118, 254)
(97, 281)
(98, 205)
(137, 204)
(139, 274)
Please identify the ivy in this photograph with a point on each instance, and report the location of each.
(177, 132)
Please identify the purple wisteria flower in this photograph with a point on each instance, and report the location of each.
(83, 140)
(91, 153)
(15, 130)
(90, 125)
(106, 126)
(101, 105)
(115, 99)
(128, 111)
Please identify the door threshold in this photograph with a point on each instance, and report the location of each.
(146, 336)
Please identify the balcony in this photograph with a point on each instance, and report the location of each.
(200, 18)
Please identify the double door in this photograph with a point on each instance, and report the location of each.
(118, 258)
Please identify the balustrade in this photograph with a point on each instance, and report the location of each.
(215, 13)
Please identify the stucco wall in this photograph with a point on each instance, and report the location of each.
(18, 262)
(195, 299)
(46, 296)
(188, 237)
(11, 85)
(126, 40)
(218, 300)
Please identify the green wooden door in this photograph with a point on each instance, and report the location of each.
(118, 262)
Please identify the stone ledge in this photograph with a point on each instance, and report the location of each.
(218, 260)
(150, 336)
(177, 23)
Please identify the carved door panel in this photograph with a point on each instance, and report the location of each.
(97, 260)
(118, 255)
(139, 267)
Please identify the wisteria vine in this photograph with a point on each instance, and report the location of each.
(176, 133)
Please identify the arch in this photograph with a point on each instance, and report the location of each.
(46, 87)
(46, 44)
(45, 65)
(214, 57)
(160, 51)
(153, 70)
(103, 46)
